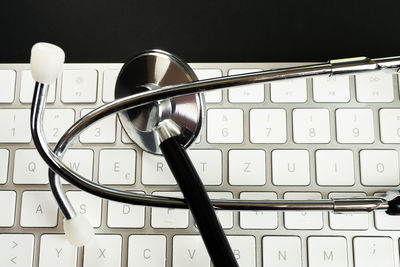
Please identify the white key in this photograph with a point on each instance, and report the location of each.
(384, 221)
(117, 166)
(7, 208)
(225, 217)
(39, 209)
(289, 91)
(354, 126)
(208, 164)
(376, 86)
(88, 205)
(79, 86)
(103, 251)
(189, 250)
(303, 219)
(373, 252)
(379, 167)
(347, 220)
(7, 81)
(327, 251)
(121, 215)
(16, 250)
(27, 88)
(225, 125)
(290, 167)
(331, 88)
(252, 93)
(55, 250)
(281, 251)
(4, 154)
(389, 121)
(202, 74)
(334, 167)
(147, 251)
(258, 219)
(16, 126)
(29, 167)
(268, 126)
(109, 80)
(102, 131)
(155, 170)
(244, 249)
(169, 218)
(56, 122)
(311, 126)
(80, 161)
(246, 167)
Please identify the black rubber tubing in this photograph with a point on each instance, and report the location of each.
(199, 203)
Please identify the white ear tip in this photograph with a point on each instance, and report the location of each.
(46, 62)
(78, 230)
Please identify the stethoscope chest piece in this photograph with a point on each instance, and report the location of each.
(149, 71)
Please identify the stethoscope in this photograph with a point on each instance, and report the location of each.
(159, 106)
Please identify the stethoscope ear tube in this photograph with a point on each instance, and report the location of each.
(199, 203)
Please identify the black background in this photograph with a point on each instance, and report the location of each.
(201, 31)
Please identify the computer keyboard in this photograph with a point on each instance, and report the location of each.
(311, 138)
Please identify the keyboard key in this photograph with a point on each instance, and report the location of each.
(117, 167)
(121, 215)
(289, 91)
(324, 251)
(311, 126)
(258, 219)
(208, 164)
(169, 218)
(389, 120)
(244, 249)
(246, 167)
(147, 250)
(252, 93)
(16, 249)
(334, 167)
(225, 125)
(202, 74)
(109, 80)
(17, 129)
(354, 126)
(29, 167)
(102, 131)
(331, 88)
(189, 250)
(379, 167)
(39, 209)
(373, 251)
(80, 161)
(7, 208)
(155, 170)
(7, 81)
(103, 251)
(4, 154)
(55, 250)
(348, 221)
(88, 205)
(27, 88)
(376, 86)
(79, 86)
(56, 122)
(268, 126)
(290, 167)
(281, 251)
(303, 219)
(225, 217)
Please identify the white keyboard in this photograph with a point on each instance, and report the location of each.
(300, 139)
